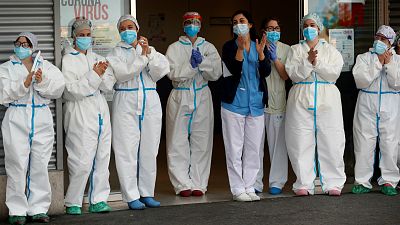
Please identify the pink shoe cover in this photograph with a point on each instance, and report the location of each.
(334, 192)
(301, 192)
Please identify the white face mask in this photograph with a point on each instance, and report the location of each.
(241, 29)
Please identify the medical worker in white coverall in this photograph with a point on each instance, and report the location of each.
(136, 113)
(274, 113)
(86, 122)
(190, 115)
(27, 128)
(314, 122)
(377, 75)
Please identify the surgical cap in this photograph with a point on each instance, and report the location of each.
(397, 39)
(79, 25)
(31, 37)
(128, 17)
(388, 32)
(192, 15)
(315, 18)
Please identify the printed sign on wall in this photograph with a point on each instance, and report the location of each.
(104, 15)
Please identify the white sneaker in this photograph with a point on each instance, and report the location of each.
(242, 198)
(253, 196)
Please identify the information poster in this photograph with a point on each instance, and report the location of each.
(343, 40)
(104, 15)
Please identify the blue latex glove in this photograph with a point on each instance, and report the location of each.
(193, 61)
(272, 51)
(197, 56)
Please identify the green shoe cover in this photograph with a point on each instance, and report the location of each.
(359, 189)
(389, 190)
(74, 210)
(17, 220)
(100, 207)
(40, 218)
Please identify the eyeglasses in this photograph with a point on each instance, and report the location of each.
(271, 28)
(23, 44)
(192, 21)
(381, 38)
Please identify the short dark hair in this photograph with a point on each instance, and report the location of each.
(27, 40)
(249, 17)
(267, 20)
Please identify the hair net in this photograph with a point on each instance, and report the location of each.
(388, 32)
(315, 18)
(31, 37)
(128, 17)
(79, 25)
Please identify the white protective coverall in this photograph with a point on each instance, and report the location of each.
(376, 118)
(28, 135)
(136, 118)
(87, 127)
(190, 114)
(275, 126)
(314, 121)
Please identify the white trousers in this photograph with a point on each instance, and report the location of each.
(88, 158)
(135, 144)
(366, 130)
(189, 138)
(303, 119)
(242, 139)
(275, 133)
(28, 189)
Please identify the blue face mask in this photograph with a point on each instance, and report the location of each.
(84, 43)
(241, 29)
(191, 30)
(273, 36)
(380, 47)
(129, 36)
(310, 33)
(22, 53)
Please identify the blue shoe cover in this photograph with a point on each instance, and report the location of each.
(150, 202)
(275, 191)
(136, 205)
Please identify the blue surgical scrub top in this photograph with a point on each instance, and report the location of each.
(248, 99)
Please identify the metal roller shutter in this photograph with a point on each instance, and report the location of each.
(394, 14)
(37, 17)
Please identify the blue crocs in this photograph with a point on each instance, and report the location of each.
(150, 202)
(275, 191)
(136, 205)
(257, 191)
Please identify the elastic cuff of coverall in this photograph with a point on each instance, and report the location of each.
(250, 190)
(364, 184)
(16, 213)
(382, 182)
(238, 191)
(310, 191)
(37, 210)
(152, 53)
(23, 88)
(204, 190)
(182, 188)
(94, 79)
(275, 185)
(327, 189)
(133, 198)
(42, 85)
(72, 204)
